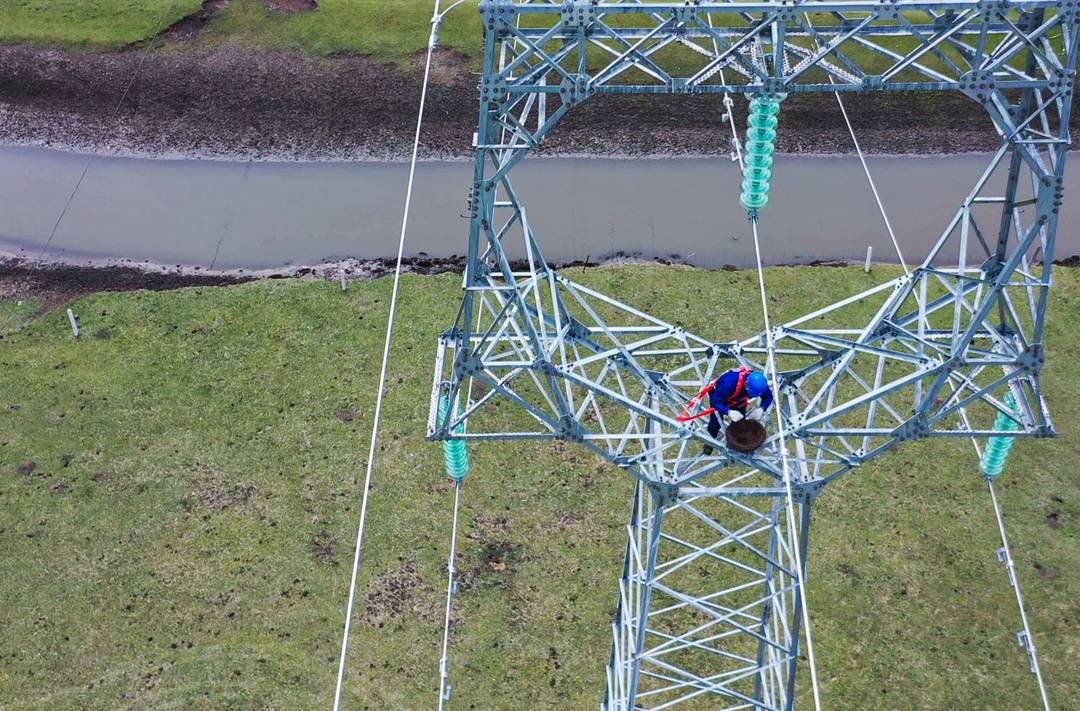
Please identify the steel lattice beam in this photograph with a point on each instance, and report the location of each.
(929, 354)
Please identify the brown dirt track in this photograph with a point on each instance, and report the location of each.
(241, 103)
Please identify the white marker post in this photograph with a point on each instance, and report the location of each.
(869, 255)
(74, 321)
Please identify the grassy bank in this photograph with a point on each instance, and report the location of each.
(178, 499)
(386, 29)
(89, 24)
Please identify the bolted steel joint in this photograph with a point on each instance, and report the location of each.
(687, 13)
(570, 430)
(578, 13)
(788, 14)
(663, 494)
(872, 83)
(978, 84)
(466, 365)
(915, 428)
(773, 86)
(493, 90)
(545, 366)
(1032, 359)
(575, 89)
(1044, 432)
(496, 15)
(887, 10)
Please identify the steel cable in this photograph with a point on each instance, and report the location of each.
(370, 466)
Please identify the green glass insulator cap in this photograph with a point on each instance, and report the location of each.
(754, 201)
(996, 454)
(455, 453)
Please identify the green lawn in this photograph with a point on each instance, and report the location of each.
(183, 537)
(388, 30)
(93, 24)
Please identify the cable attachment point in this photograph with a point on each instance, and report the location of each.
(436, 24)
(1028, 645)
(1006, 561)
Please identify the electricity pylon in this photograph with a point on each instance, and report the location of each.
(709, 606)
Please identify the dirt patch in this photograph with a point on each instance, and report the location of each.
(1048, 572)
(567, 521)
(60, 487)
(26, 468)
(345, 415)
(237, 102)
(492, 565)
(487, 526)
(1053, 520)
(448, 66)
(188, 28)
(388, 597)
(322, 548)
(56, 284)
(215, 491)
(292, 7)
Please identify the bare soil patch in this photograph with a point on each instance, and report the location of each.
(214, 490)
(57, 284)
(389, 596)
(292, 7)
(491, 565)
(188, 28)
(322, 548)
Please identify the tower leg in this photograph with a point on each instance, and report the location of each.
(708, 604)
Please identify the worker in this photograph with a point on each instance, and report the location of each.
(729, 398)
(731, 394)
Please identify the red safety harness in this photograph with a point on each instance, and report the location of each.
(736, 401)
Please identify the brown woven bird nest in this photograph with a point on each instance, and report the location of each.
(745, 436)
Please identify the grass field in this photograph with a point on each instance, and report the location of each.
(387, 30)
(91, 24)
(178, 500)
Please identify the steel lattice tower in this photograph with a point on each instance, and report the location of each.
(709, 611)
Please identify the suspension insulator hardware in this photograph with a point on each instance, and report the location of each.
(996, 453)
(758, 153)
(455, 453)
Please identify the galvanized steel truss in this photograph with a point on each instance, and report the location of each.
(708, 609)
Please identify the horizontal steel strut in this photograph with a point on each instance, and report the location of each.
(534, 355)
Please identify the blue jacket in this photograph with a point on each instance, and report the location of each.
(726, 395)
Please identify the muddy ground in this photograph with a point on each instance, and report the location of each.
(244, 103)
(57, 283)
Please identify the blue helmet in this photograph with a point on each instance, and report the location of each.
(756, 383)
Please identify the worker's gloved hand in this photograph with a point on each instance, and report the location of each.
(756, 414)
(734, 415)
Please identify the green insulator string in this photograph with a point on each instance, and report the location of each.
(455, 454)
(759, 148)
(997, 448)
